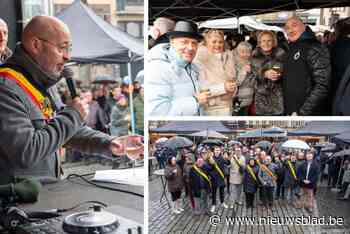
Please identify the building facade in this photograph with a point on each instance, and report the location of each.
(329, 16)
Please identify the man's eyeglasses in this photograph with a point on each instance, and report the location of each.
(67, 49)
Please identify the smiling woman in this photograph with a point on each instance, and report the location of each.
(268, 93)
(217, 74)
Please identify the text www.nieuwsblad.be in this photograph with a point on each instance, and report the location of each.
(271, 220)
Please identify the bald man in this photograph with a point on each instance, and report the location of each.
(307, 72)
(161, 26)
(33, 121)
(5, 52)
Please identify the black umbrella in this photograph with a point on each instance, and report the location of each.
(329, 147)
(177, 142)
(264, 144)
(212, 142)
(104, 80)
(341, 153)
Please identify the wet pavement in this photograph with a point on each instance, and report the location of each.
(161, 220)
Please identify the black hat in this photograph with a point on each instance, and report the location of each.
(185, 29)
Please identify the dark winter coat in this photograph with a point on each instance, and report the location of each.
(289, 180)
(198, 183)
(312, 177)
(342, 98)
(175, 180)
(217, 180)
(249, 184)
(268, 93)
(307, 77)
(162, 39)
(340, 60)
(280, 172)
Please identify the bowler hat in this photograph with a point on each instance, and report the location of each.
(185, 29)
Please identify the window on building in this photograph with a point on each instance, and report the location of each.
(120, 5)
(32, 8)
(134, 2)
(134, 28)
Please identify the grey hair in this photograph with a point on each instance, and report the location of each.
(245, 44)
(164, 25)
(3, 22)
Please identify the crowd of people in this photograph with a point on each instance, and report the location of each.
(263, 175)
(210, 73)
(109, 106)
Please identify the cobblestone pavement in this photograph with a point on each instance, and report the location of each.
(161, 220)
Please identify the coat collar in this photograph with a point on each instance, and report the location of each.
(22, 59)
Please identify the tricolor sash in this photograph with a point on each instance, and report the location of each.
(268, 171)
(39, 99)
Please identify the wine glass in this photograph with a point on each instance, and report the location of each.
(278, 67)
(134, 148)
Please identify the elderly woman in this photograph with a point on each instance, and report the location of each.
(245, 79)
(267, 62)
(217, 74)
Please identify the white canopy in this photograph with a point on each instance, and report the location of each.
(231, 23)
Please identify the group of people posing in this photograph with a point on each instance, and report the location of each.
(213, 170)
(197, 74)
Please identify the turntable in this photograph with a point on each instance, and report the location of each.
(96, 221)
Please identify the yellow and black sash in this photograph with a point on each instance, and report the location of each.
(217, 168)
(201, 173)
(236, 161)
(252, 174)
(268, 171)
(37, 97)
(291, 169)
(258, 162)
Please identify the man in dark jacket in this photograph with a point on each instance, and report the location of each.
(250, 182)
(307, 175)
(307, 72)
(340, 51)
(217, 174)
(35, 123)
(290, 179)
(201, 186)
